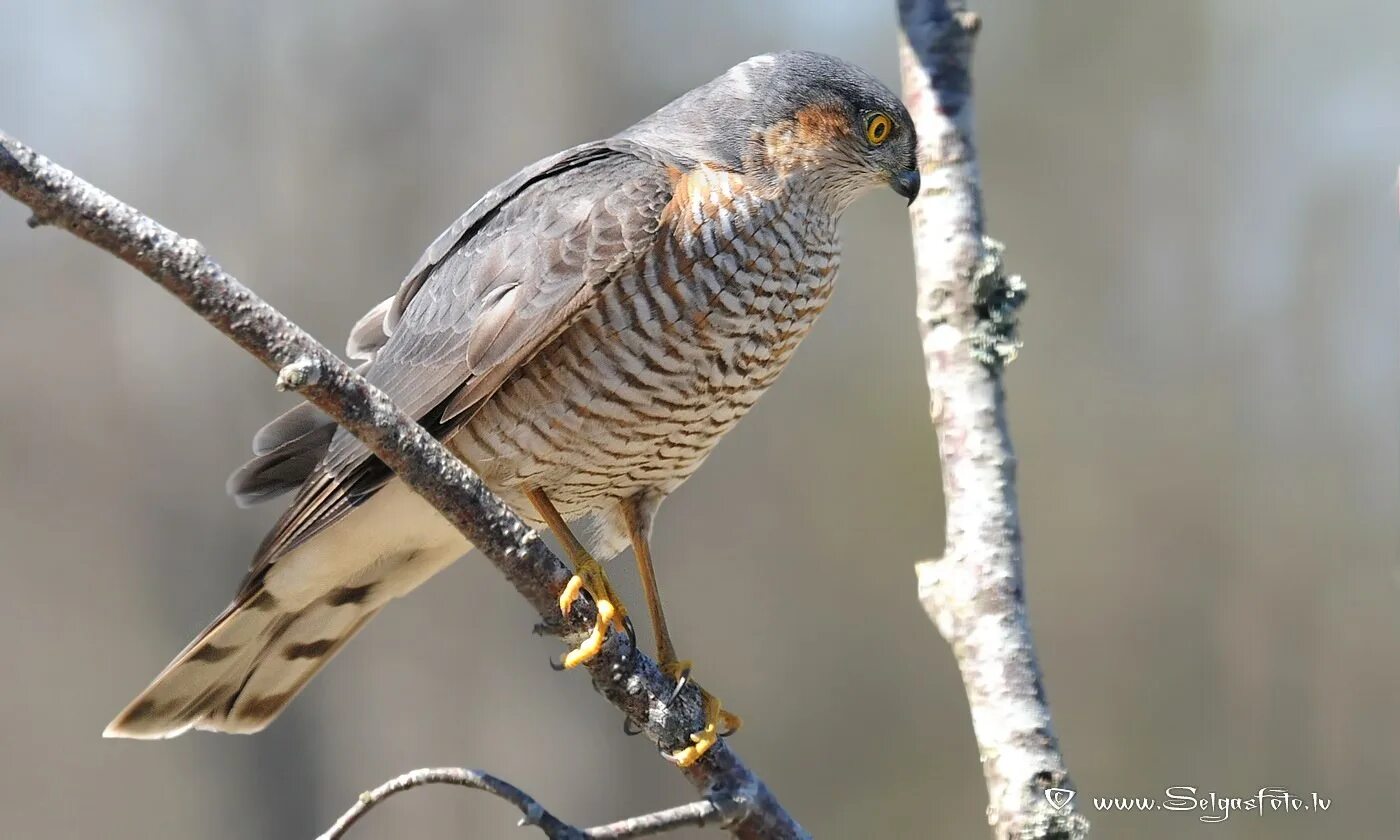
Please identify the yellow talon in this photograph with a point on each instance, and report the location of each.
(594, 642)
(589, 576)
(716, 720)
(704, 739)
(571, 591)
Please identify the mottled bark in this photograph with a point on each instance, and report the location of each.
(627, 678)
(967, 320)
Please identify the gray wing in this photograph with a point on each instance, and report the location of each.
(503, 281)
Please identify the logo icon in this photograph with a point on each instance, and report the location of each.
(1058, 797)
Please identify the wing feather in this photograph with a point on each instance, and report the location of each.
(369, 333)
(509, 276)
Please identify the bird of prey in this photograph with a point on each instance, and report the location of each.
(582, 337)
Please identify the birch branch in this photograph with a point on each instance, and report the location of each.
(646, 825)
(629, 679)
(966, 309)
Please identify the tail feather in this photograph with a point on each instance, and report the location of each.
(298, 654)
(294, 615)
(246, 667)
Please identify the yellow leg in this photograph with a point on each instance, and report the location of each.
(588, 575)
(717, 721)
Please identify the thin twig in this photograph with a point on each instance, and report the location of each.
(646, 825)
(967, 318)
(534, 813)
(629, 679)
(698, 814)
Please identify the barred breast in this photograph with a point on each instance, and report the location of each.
(635, 394)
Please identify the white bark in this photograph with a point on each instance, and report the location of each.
(967, 310)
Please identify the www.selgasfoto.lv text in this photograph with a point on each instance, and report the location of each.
(1214, 807)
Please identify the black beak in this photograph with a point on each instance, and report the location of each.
(906, 183)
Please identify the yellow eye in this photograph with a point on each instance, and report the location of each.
(878, 128)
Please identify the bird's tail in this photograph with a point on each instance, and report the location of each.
(247, 666)
(292, 616)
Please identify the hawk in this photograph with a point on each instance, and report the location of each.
(582, 337)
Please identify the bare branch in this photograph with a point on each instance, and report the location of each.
(692, 814)
(534, 813)
(629, 679)
(967, 318)
(698, 814)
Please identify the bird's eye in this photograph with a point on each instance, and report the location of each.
(878, 128)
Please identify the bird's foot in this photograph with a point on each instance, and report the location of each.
(718, 722)
(589, 577)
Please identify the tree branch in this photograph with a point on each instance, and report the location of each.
(629, 679)
(967, 320)
(694, 813)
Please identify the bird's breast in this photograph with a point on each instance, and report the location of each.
(674, 351)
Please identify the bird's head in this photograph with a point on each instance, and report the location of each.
(794, 115)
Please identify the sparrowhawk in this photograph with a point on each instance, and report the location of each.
(582, 337)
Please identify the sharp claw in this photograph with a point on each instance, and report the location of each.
(630, 630)
(729, 723)
(555, 664)
(682, 680)
(628, 728)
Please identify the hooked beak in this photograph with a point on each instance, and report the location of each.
(906, 183)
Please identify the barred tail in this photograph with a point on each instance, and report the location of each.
(247, 666)
(286, 625)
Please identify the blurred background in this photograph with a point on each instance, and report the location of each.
(1202, 196)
